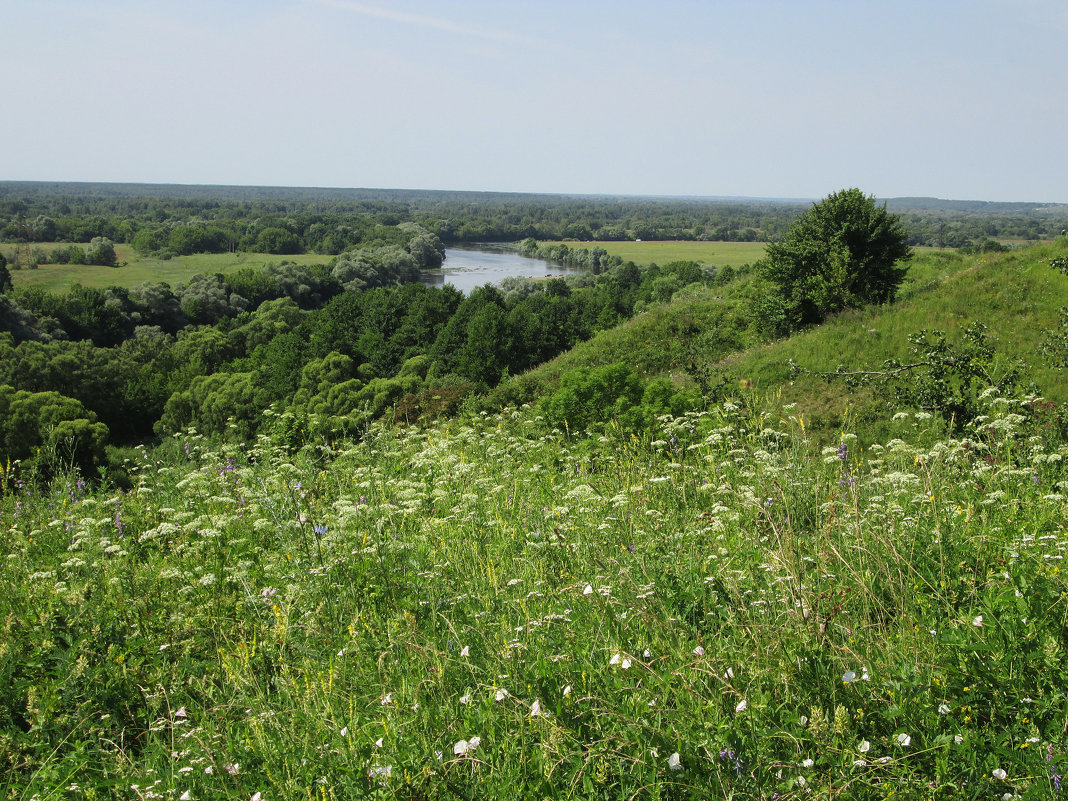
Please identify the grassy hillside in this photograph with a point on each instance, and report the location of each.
(1016, 294)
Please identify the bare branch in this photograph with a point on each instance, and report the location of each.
(835, 374)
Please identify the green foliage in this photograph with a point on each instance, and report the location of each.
(197, 238)
(950, 379)
(101, 251)
(1055, 348)
(588, 399)
(50, 432)
(219, 403)
(843, 253)
(373, 267)
(277, 241)
(5, 276)
(207, 299)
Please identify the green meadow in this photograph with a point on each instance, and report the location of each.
(135, 269)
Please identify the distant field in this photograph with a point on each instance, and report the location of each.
(138, 269)
(721, 254)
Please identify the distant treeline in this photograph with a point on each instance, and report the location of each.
(189, 219)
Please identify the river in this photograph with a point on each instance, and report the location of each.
(469, 269)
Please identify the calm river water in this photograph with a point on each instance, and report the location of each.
(468, 269)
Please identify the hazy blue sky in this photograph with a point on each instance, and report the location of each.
(963, 99)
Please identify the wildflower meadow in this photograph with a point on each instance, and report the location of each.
(492, 607)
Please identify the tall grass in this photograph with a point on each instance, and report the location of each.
(493, 609)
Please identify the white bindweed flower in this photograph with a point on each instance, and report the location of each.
(535, 708)
(379, 742)
(849, 676)
(864, 747)
(344, 730)
(181, 713)
(386, 699)
(615, 659)
(699, 650)
(465, 699)
(729, 674)
(184, 796)
(674, 762)
(587, 590)
(567, 690)
(466, 746)
(904, 740)
(256, 796)
(385, 771)
(465, 651)
(741, 706)
(808, 763)
(958, 738)
(501, 695)
(977, 621)
(943, 709)
(625, 664)
(999, 774)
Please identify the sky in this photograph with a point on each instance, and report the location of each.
(960, 99)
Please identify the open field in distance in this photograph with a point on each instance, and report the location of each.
(138, 269)
(721, 254)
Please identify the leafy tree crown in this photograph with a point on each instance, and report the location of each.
(845, 252)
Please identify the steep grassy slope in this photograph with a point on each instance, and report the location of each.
(705, 332)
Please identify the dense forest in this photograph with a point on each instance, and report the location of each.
(186, 219)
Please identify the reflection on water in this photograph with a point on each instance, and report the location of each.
(468, 269)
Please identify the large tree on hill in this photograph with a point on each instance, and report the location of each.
(845, 252)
